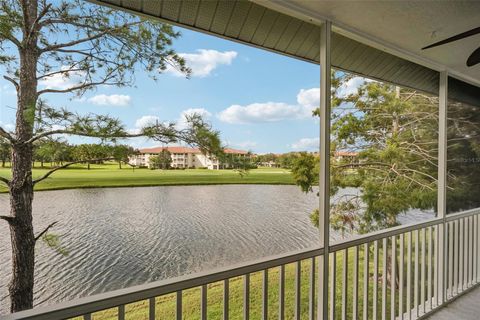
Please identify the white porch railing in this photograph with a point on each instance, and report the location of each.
(393, 274)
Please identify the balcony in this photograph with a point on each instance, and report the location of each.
(407, 272)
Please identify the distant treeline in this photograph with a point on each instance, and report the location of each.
(284, 160)
(58, 152)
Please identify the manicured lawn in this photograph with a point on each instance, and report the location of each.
(109, 175)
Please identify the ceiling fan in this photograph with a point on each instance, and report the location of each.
(474, 58)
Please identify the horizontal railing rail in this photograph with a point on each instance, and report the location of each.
(458, 215)
(380, 234)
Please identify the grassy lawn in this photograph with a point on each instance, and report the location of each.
(109, 175)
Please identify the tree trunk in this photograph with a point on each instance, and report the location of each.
(120, 164)
(21, 185)
(21, 231)
(3, 163)
(88, 165)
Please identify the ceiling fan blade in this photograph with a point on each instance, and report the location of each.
(474, 58)
(455, 38)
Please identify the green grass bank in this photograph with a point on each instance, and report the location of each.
(109, 175)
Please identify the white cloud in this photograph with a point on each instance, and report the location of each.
(117, 100)
(62, 81)
(261, 112)
(204, 62)
(146, 121)
(306, 144)
(182, 121)
(307, 100)
(133, 131)
(351, 86)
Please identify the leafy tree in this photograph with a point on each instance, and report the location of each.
(305, 171)
(162, 161)
(43, 152)
(121, 153)
(263, 158)
(239, 162)
(286, 160)
(52, 150)
(91, 46)
(86, 152)
(5, 151)
(63, 152)
(394, 132)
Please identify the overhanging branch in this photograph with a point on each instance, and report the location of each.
(6, 135)
(83, 86)
(45, 230)
(49, 173)
(5, 180)
(11, 38)
(100, 33)
(82, 134)
(61, 72)
(75, 42)
(9, 219)
(13, 81)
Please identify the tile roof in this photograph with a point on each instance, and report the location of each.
(235, 151)
(176, 149)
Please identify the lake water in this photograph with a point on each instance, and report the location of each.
(122, 237)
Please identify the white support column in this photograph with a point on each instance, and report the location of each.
(442, 183)
(324, 180)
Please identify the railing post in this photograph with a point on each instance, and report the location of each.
(442, 185)
(324, 179)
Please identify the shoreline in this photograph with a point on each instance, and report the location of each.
(180, 184)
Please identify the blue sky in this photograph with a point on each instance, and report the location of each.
(258, 100)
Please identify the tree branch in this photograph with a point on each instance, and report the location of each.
(45, 230)
(43, 13)
(101, 33)
(11, 38)
(49, 173)
(15, 83)
(75, 42)
(82, 134)
(5, 180)
(6, 135)
(59, 72)
(9, 219)
(79, 87)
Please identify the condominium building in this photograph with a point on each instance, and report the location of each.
(185, 157)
